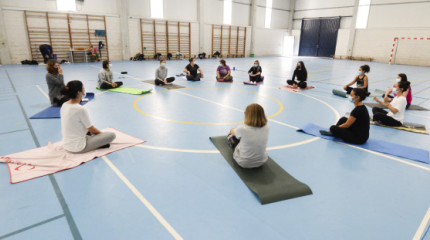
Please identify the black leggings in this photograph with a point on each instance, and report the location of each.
(169, 80)
(344, 133)
(301, 84)
(349, 89)
(196, 78)
(380, 115)
(255, 78)
(60, 101)
(109, 86)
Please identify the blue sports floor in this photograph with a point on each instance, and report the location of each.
(177, 186)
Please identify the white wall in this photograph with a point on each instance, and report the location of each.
(269, 42)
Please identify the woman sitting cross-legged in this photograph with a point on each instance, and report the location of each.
(396, 107)
(355, 128)
(79, 134)
(161, 74)
(250, 139)
(223, 72)
(106, 77)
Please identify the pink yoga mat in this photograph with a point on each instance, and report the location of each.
(291, 89)
(53, 158)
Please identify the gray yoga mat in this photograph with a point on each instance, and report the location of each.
(339, 93)
(269, 182)
(167, 86)
(412, 107)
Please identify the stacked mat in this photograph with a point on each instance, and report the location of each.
(269, 182)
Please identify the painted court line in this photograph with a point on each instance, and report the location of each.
(422, 226)
(31, 226)
(145, 202)
(43, 92)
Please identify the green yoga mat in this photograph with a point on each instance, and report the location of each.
(167, 86)
(134, 91)
(269, 182)
(339, 93)
(412, 107)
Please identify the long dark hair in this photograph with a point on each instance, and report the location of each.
(222, 61)
(361, 93)
(403, 77)
(302, 64)
(365, 68)
(72, 88)
(404, 85)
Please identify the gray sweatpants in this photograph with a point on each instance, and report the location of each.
(96, 141)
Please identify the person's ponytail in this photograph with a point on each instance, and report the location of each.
(72, 88)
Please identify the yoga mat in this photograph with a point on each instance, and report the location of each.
(167, 86)
(340, 93)
(409, 127)
(412, 107)
(54, 111)
(291, 89)
(250, 83)
(269, 182)
(134, 91)
(53, 158)
(394, 149)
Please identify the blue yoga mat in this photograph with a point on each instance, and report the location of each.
(54, 111)
(394, 149)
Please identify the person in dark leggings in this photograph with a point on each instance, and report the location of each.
(106, 77)
(191, 71)
(355, 128)
(361, 79)
(255, 73)
(301, 74)
(396, 107)
(161, 74)
(223, 72)
(55, 81)
(46, 51)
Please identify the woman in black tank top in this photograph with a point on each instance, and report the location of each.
(361, 79)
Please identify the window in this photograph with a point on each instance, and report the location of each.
(268, 19)
(227, 12)
(362, 14)
(157, 8)
(66, 5)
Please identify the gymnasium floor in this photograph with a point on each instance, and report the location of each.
(177, 185)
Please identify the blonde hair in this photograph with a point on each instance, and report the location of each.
(254, 116)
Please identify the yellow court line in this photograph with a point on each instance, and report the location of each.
(145, 202)
(281, 107)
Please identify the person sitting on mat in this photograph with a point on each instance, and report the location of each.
(361, 79)
(161, 74)
(255, 73)
(79, 134)
(191, 71)
(106, 77)
(301, 74)
(408, 94)
(355, 128)
(55, 81)
(397, 107)
(250, 139)
(223, 72)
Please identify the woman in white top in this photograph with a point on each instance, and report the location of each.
(79, 134)
(250, 139)
(396, 106)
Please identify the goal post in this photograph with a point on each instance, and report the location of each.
(410, 50)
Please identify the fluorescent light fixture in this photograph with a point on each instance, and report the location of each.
(66, 5)
(268, 19)
(157, 8)
(362, 14)
(227, 12)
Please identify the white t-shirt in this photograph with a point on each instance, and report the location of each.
(75, 122)
(251, 150)
(398, 103)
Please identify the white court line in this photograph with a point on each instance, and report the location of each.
(422, 226)
(43, 92)
(216, 151)
(145, 202)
